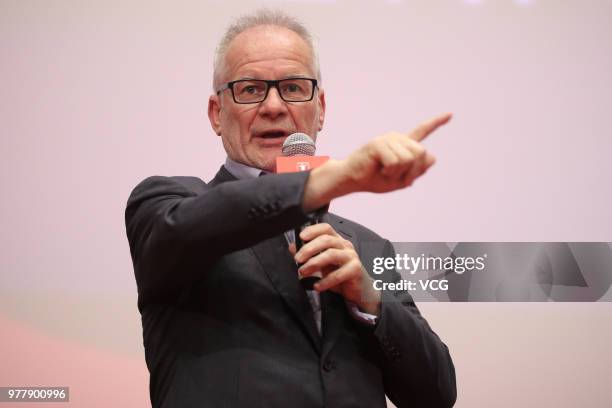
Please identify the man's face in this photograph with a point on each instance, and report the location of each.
(253, 134)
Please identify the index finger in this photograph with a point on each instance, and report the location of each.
(313, 231)
(425, 128)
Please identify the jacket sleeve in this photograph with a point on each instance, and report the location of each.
(417, 367)
(166, 222)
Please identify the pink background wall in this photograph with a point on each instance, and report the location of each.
(97, 95)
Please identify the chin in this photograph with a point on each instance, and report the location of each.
(270, 167)
(268, 162)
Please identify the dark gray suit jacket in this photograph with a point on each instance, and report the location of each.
(227, 324)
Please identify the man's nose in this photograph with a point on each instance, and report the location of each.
(273, 105)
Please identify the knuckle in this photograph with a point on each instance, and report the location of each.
(328, 240)
(352, 255)
(333, 279)
(344, 255)
(416, 147)
(323, 257)
(420, 150)
(329, 254)
(394, 162)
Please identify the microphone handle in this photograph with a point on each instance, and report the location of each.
(307, 282)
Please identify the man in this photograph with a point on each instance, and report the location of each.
(225, 320)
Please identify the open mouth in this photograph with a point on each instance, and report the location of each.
(272, 138)
(273, 134)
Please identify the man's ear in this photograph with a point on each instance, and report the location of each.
(321, 102)
(214, 109)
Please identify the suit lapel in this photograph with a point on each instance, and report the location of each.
(282, 272)
(222, 175)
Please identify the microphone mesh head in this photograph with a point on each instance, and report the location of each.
(299, 144)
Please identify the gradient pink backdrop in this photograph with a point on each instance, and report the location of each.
(97, 95)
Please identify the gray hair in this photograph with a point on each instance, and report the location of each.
(260, 18)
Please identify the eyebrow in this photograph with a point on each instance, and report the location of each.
(290, 76)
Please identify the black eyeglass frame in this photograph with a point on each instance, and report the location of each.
(270, 83)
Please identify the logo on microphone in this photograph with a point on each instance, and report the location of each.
(302, 166)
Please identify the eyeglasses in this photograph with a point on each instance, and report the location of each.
(256, 90)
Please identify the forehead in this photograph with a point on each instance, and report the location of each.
(269, 51)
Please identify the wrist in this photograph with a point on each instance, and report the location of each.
(325, 183)
(372, 308)
(370, 303)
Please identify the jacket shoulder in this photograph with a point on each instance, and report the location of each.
(156, 185)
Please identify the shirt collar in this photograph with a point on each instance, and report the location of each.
(241, 171)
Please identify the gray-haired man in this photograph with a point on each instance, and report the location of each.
(226, 322)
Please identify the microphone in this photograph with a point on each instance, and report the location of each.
(299, 144)
(301, 149)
